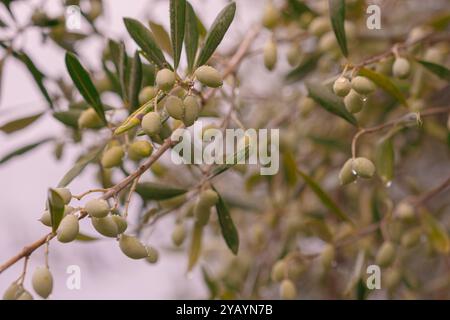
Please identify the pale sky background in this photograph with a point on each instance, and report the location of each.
(106, 272)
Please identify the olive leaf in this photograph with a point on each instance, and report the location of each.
(231, 161)
(83, 82)
(85, 238)
(330, 102)
(216, 33)
(123, 71)
(384, 159)
(38, 76)
(55, 205)
(289, 167)
(114, 50)
(177, 18)
(303, 69)
(295, 8)
(79, 166)
(69, 117)
(195, 247)
(144, 39)
(229, 231)
(135, 81)
(19, 124)
(337, 16)
(23, 150)
(191, 36)
(161, 37)
(439, 70)
(156, 191)
(384, 83)
(211, 283)
(436, 233)
(322, 195)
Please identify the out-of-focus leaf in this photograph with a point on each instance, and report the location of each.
(2, 63)
(161, 37)
(295, 8)
(231, 161)
(441, 21)
(135, 82)
(356, 274)
(79, 166)
(437, 234)
(319, 228)
(303, 69)
(337, 16)
(439, 70)
(144, 38)
(212, 285)
(23, 150)
(216, 33)
(195, 247)
(83, 82)
(148, 74)
(329, 143)
(330, 102)
(69, 117)
(324, 198)
(289, 168)
(191, 36)
(19, 124)
(55, 205)
(229, 231)
(38, 76)
(114, 50)
(177, 18)
(123, 71)
(384, 159)
(384, 83)
(85, 238)
(157, 191)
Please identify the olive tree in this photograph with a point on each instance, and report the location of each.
(360, 98)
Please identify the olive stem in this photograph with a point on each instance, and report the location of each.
(79, 197)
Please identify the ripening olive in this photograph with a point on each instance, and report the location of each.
(363, 167)
(89, 119)
(139, 149)
(174, 107)
(279, 271)
(165, 79)
(121, 223)
(362, 85)
(191, 110)
(270, 55)
(147, 94)
(341, 86)
(153, 254)
(68, 229)
(401, 68)
(97, 208)
(271, 15)
(13, 292)
(288, 290)
(209, 76)
(386, 254)
(105, 226)
(353, 102)
(42, 281)
(112, 157)
(151, 123)
(132, 247)
(346, 175)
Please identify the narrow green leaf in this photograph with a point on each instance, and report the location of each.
(216, 33)
(384, 159)
(303, 69)
(191, 36)
(2, 63)
(441, 21)
(156, 191)
(69, 117)
(161, 37)
(144, 38)
(23, 150)
(212, 285)
(195, 247)
(79, 166)
(437, 234)
(177, 18)
(19, 124)
(337, 17)
(384, 83)
(114, 50)
(135, 82)
(85, 238)
(289, 167)
(55, 205)
(123, 71)
(439, 70)
(322, 195)
(229, 231)
(231, 161)
(83, 82)
(330, 102)
(36, 73)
